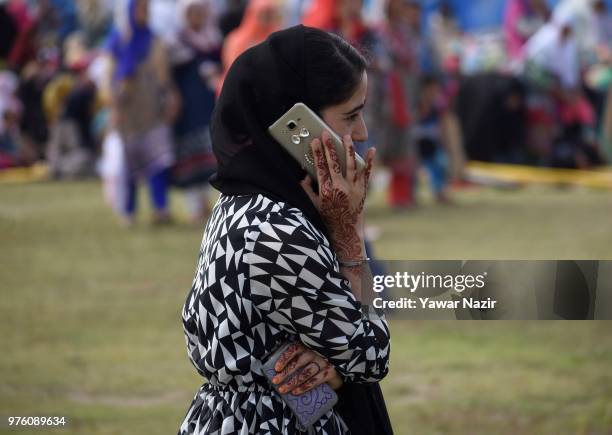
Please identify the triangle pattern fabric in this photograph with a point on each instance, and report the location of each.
(265, 275)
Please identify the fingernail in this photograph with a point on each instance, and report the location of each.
(277, 367)
(275, 379)
(282, 390)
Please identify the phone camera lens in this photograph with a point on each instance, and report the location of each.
(291, 125)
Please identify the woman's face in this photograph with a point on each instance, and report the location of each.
(347, 117)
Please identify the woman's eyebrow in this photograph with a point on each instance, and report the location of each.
(355, 109)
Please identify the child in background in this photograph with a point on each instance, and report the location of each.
(428, 136)
(196, 68)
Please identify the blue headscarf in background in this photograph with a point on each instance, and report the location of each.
(129, 43)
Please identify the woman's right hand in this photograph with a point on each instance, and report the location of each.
(341, 198)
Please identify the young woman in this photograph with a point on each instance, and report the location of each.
(196, 66)
(143, 105)
(281, 260)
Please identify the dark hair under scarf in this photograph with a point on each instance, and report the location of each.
(261, 85)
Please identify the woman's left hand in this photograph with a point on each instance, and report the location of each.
(313, 370)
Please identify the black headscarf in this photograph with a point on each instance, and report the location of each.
(261, 85)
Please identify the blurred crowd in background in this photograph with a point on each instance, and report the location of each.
(125, 89)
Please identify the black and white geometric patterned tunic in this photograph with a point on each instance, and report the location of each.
(265, 275)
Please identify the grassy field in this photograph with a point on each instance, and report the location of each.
(90, 317)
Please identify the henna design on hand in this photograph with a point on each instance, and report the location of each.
(289, 368)
(340, 201)
(287, 355)
(290, 384)
(325, 187)
(334, 156)
(308, 372)
(308, 385)
(341, 221)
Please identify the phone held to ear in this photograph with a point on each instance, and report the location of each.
(297, 128)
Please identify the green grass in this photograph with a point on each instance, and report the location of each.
(90, 317)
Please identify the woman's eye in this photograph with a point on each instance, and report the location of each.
(352, 117)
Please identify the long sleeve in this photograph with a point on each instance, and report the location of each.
(292, 278)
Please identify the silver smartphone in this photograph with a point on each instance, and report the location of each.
(297, 128)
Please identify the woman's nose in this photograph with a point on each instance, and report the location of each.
(360, 132)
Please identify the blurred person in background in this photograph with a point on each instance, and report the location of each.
(196, 60)
(598, 77)
(445, 39)
(522, 19)
(555, 50)
(588, 17)
(429, 137)
(394, 96)
(72, 150)
(33, 123)
(492, 111)
(444, 35)
(261, 18)
(143, 105)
